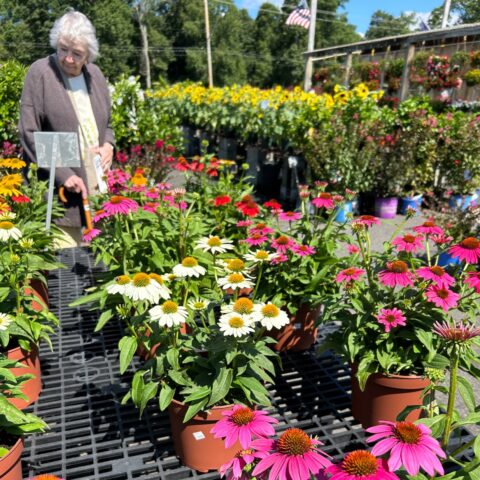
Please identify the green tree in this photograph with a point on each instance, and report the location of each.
(383, 24)
(467, 11)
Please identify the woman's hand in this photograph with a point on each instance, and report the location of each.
(76, 184)
(106, 155)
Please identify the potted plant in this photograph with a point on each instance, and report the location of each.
(388, 305)
(14, 423)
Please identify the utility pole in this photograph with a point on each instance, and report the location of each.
(446, 13)
(311, 45)
(209, 49)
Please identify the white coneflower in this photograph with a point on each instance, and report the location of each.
(163, 290)
(9, 230)
(143, 287)
(270, 316)
(188, 268)
(260, 256)
(120, 285)
(168, 314)
(235, 281)
(198, 304)
(235, 324)
(214, 244)
(234, 265)
(5, 321)
(7, 216)
(243, 306)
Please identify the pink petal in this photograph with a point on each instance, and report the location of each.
(410, 460)
(395, 460)
(244, 437)
(384, 446)
(265, 464)
(279, 467)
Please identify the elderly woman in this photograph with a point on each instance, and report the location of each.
(66, 92)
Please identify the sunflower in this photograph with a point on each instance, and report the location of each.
(9, 184)
(13, 163)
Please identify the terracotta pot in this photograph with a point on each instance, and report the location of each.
(385, 397)
(301, 333)
(11, 464)
(31, 388)
(41, 290)
(194, 444)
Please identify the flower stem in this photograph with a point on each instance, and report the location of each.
(455, 360)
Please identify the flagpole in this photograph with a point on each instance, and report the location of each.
(209, 50)
(311, 45)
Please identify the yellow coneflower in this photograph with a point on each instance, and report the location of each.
(13, 163)
(9, 184)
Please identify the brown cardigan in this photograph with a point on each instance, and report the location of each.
(46, 107)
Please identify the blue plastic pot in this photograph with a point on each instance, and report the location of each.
(341, 216)
(462, 201)
(410, 202)
(445, 259)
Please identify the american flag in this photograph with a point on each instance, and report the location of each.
(300, 16)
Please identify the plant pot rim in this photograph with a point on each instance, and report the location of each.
(14, 450)
(386, 379)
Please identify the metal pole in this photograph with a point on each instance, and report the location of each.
(446, 13)
(311, 46)
(209, 50)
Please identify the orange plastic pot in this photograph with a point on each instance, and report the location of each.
(194, 444)
(11, 464)
(301, 333)
(31, 388)
(385, 397)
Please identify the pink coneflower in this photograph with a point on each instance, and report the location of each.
(279, 258)
(289, 216)
(473, 280)
(261, 228)
(457, 332)
(410, 446)
(442, 297)
(294, 456)
(273, 205)
(89, 234)
(467, 250)
(437, 275)
(99, 214)
(441, 239)
(366, 220)
(428, 228)
(138, 188)
(282, 244)
(233, 469)
(391, 318)
(408, 243)
(324, 200)
(151, 207)
(338, 198)
(163, 186)
(352, 249)
(242, 424)
(360, 465)
(303, 250)
(120, 205)
(221, 200)
(320, 184)
(152, 193)
(396, 274)
(256, 239)
(349, 275)
(244, 223)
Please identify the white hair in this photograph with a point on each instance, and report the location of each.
(76, 27)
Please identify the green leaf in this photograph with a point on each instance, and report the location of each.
(466, 391)
(194, 408)
(166, 396)
(92, 297)
(127, 346)
(256, 390)
(148, 393)
(476, 447)
(471, 419)
(198, 394)
(172, 357)
(178, 378)
(221, 385)
(261, 373)
(138, 385)
(103, 319)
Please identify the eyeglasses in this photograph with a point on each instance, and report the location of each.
(76, 55)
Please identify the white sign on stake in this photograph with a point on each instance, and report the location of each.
(55, 149)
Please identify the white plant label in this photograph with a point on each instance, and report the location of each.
(198, 435)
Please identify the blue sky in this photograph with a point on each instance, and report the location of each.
(360, 11)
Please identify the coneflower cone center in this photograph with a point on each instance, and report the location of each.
(390, 318)
(116, 199)
(470, 243)
(325, 196)
(260, 226)
(242, 416)
(140, 280)
(236, 322)
(262, 255)
(294, 442)
(214, 242)
(360, 463)
(428, 224)
(367, 218)
(169, 307)
(350, 271)
(270, 310)
(6, 225)
(436, 270)
(122, 279)
(189, 262)
(409, 238)
(157, 278)
(398, 267)
(282, 240)
(236, 278)
(236, 265)
(407, 432)
(442, 293)
(243, 306)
